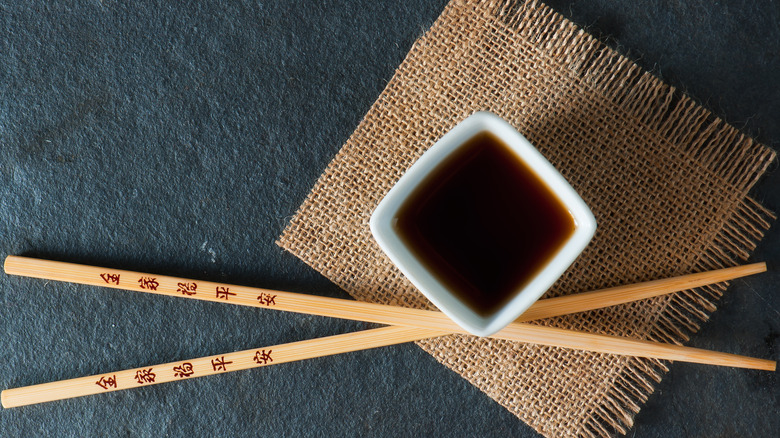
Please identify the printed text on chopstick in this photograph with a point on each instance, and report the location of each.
(189, 288)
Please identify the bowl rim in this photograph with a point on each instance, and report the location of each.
(382, 220)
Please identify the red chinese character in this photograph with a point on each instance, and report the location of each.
(110, 278)
(183, 370)
(223, 292)
(267, 299)
(105, 382)
(187, 288)
(220, 364)
(262, 356)
(145, 376)
(148, 283)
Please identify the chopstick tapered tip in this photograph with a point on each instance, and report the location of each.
(760, 267)
(757, 364)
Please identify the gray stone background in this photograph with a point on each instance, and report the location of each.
(179, 137)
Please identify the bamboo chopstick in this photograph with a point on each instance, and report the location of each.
(355, 310)
(370, 338)
(362, 340)
(210, 365)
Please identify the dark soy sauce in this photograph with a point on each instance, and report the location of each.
(484, 223)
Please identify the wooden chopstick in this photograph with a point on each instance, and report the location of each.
(355, 310)
(348, 342)
(380, 337)
(210, 365)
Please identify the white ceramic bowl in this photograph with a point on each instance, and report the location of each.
(382, 225)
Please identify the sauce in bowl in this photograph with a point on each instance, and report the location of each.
(483, 223)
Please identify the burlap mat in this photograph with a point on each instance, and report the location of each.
(665, 179)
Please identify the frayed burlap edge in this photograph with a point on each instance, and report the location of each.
(643, 99)
(716, 145)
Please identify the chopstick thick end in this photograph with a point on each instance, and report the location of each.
(5, 401)
(9, 263)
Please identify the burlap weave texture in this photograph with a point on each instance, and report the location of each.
(665, 179)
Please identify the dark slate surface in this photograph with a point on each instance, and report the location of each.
(179, 138)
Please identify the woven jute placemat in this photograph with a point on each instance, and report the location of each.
(666, 180)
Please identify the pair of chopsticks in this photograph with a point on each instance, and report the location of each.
(404, 325)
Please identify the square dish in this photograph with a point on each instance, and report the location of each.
(482, 224)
